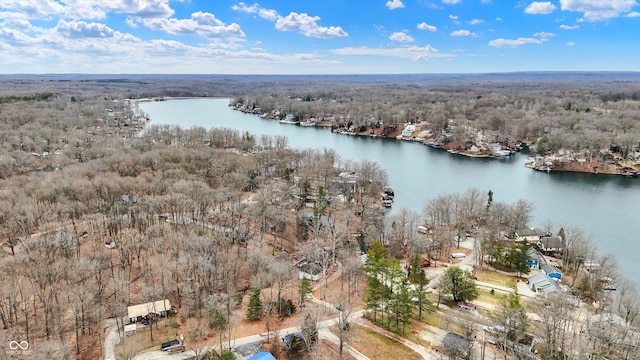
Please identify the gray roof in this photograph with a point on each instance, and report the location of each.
(530, 232)
(551, 242)
(534, 255)
(543, 283)
(549, 269)
(457, 343)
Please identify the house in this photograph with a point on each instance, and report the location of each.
(534, 259)
(551, 271)
(543, 284)
(310, 271)
(141, 311)
(457, 345)
(550, 244)
(408, 130)
(531, 235)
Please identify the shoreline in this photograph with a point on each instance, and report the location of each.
(624, 171)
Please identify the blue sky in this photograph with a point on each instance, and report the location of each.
(317, 36)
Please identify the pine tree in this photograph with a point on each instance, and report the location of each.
(305, 289)
(421, 295)
(415, 268)
(254, 309)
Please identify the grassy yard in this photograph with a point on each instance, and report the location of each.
(494, 277)
(377, 346)
(486, 297)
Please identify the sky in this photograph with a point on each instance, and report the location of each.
(317, 36)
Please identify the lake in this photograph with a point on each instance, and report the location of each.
(606, 207)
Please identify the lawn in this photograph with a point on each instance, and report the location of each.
(494, 277)
(377, 346)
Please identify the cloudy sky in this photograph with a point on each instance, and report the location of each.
(317, 36)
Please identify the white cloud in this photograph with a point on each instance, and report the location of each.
(425, 26)
(249, 9)
(451, 2)
(597, 10)
(540, 7)
(476, 22)
(307, 25)
(81, 29)
(498, 43)
(410, 52)
(394, 4)
(453, 17)
(201, 23)
(401, 37)
(463, 33)
(33, 9)
(569, 27)
(570, 43)
(268, 14)
(485, 2)
(97, 9)
(15, 37)
(633, 14)
(544, 34)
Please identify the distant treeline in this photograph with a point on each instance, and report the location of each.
(37, 96)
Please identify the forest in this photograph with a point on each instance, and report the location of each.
(100, 210)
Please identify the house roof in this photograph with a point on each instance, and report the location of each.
(551, 242)
(549, 269)
(543, 284)
(530, 232)
(145, 309)
(533, 255)
(457, 342)
(262, 356)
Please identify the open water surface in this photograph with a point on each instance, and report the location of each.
(607, 208)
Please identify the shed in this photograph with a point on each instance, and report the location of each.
(130, 329)
(551, 271)
(310, 271)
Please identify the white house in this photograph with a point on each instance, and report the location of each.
(408, 130)
(137, 312)
(531, 235)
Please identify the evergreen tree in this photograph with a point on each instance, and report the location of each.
(414, 270)
(254, 308)
(305, 289)
(519, 257)
(227, 355)
(421, 295)
(375, 268)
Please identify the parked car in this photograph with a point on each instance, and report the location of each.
(175, 349)
(168, 344)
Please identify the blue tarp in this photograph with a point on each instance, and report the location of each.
(263, 356)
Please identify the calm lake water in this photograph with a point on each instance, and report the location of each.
(607, 208)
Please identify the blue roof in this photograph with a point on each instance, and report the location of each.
(262, 356)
